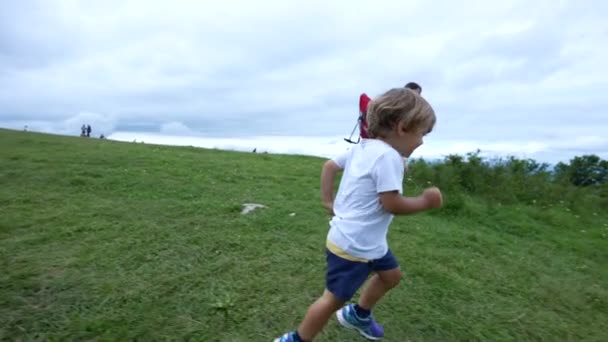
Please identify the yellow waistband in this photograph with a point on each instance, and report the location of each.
(342, 254)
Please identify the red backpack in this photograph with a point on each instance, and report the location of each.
(364, 101)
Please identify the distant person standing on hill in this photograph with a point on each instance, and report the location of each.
(89, 130)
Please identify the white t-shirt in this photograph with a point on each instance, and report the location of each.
(360, 224)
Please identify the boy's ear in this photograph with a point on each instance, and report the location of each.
(401, 128)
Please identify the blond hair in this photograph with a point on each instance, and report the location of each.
(396, 105)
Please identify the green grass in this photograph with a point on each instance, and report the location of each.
(103, 240)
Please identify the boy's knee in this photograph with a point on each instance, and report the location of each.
(392, 278)
(330, 301)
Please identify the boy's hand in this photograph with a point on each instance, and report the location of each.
(433, 197)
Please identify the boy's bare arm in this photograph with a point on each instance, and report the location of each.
(396, 204)
(328, 176)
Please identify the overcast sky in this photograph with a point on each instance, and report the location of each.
(527, 76)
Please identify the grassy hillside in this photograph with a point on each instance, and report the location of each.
(121, 241)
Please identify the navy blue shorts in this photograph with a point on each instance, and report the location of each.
(345, 277)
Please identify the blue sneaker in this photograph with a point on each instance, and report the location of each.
(367, 327)
(288, 337)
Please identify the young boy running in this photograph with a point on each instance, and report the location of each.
(369, 196)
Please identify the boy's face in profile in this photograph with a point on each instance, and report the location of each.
(414, 140)
(409, 141)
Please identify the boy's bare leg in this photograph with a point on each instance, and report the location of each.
(318, 315)
(377, 286)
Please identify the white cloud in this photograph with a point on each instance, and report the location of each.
(175, 128)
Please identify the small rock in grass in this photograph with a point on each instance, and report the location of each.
(249, 207)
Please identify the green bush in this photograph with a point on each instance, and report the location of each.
(580, 186)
